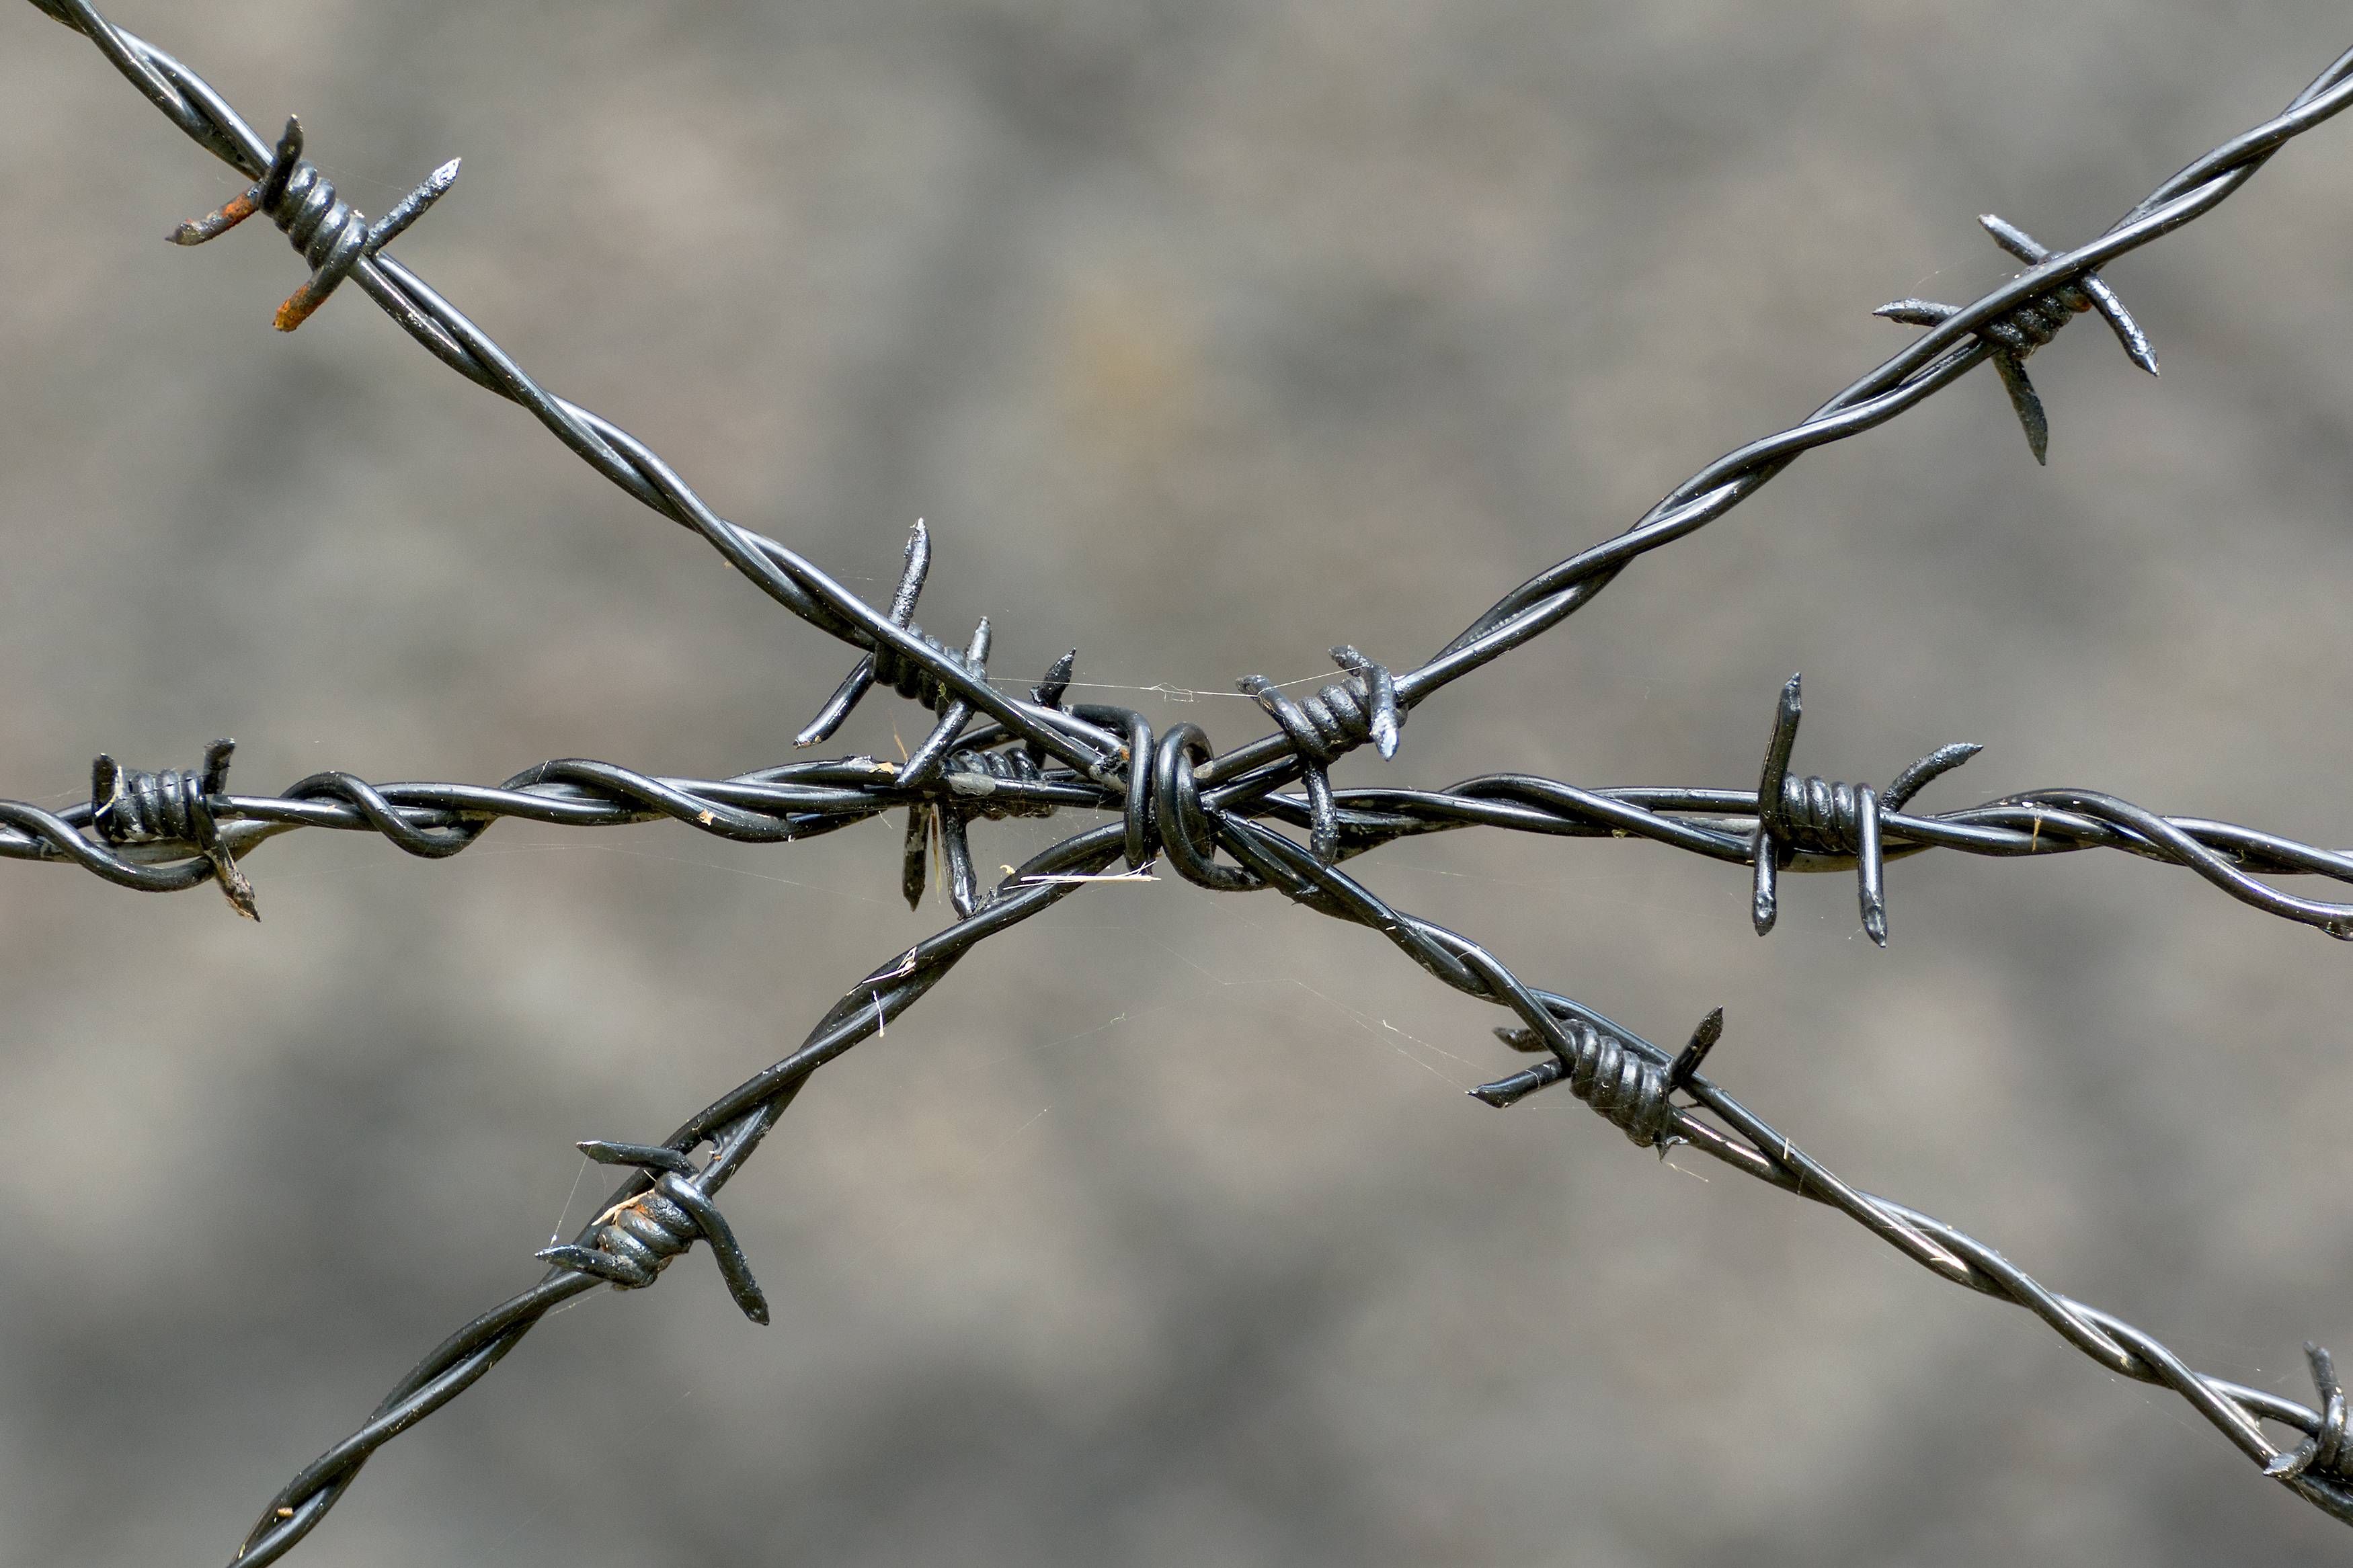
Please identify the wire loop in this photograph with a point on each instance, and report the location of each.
(1180, 824)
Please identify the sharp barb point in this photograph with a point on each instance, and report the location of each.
(2024, 402)
(914, 870)
(2120, 321)
(2015, 240)
(1694, 1052)
(1916, 313)
(1920, 775)
(1788, 714)
(1871, 872)
(1049, 692)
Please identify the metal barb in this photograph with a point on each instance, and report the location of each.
(1315, 752)
(412, 207)
(1814, 816)
(2024, 402)
(220, 220)
(926, 758)
(915, 861)
(129, 808)
(963, 883)
(1871, 875)
(1771, 835)
(1918, 776)
(2091, 286)
(1382, 689)
(652, 1156)
(1619, 1078)
(2324, 1448)
(2010, 337)
(329, 232)
(861, 678)
(631, 1242)
(1687, 1060)
(1049, 692)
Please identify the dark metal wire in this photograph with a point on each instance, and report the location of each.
(990, 756)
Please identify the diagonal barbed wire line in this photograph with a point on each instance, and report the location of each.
(192, 104)
(1177, 799)
(1632, 1082)
(1965, 338)
(732, 1126)
(1931, 362)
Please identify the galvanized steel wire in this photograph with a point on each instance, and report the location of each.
(1211, 817)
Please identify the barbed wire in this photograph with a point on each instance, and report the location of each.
(989, 756)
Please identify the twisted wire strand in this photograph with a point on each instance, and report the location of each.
(997, 780)
(1175, 796)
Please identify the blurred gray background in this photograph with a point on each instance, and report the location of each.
(1206, 335)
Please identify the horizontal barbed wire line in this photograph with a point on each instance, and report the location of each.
(805, 799)
(1177, 799)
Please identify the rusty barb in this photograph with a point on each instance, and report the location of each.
(329, 231)
(1227, 822)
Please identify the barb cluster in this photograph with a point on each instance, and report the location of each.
(328, 230)
(1216, 819)
(2015, 334)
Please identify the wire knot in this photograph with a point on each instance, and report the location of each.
(2327, 1450)
(1628, 1089)
(909, 676)
(972, 778)
(1814, 814)
(333, 235)
(2019, 332)
(1823, 816)
(1334, 722)
(1339, 718)
(914, 680)
(172, 806)
(632, 1242)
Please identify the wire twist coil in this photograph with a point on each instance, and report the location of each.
(333, 235)
(632, 1242)
(1626, 1087)
(973, 777)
